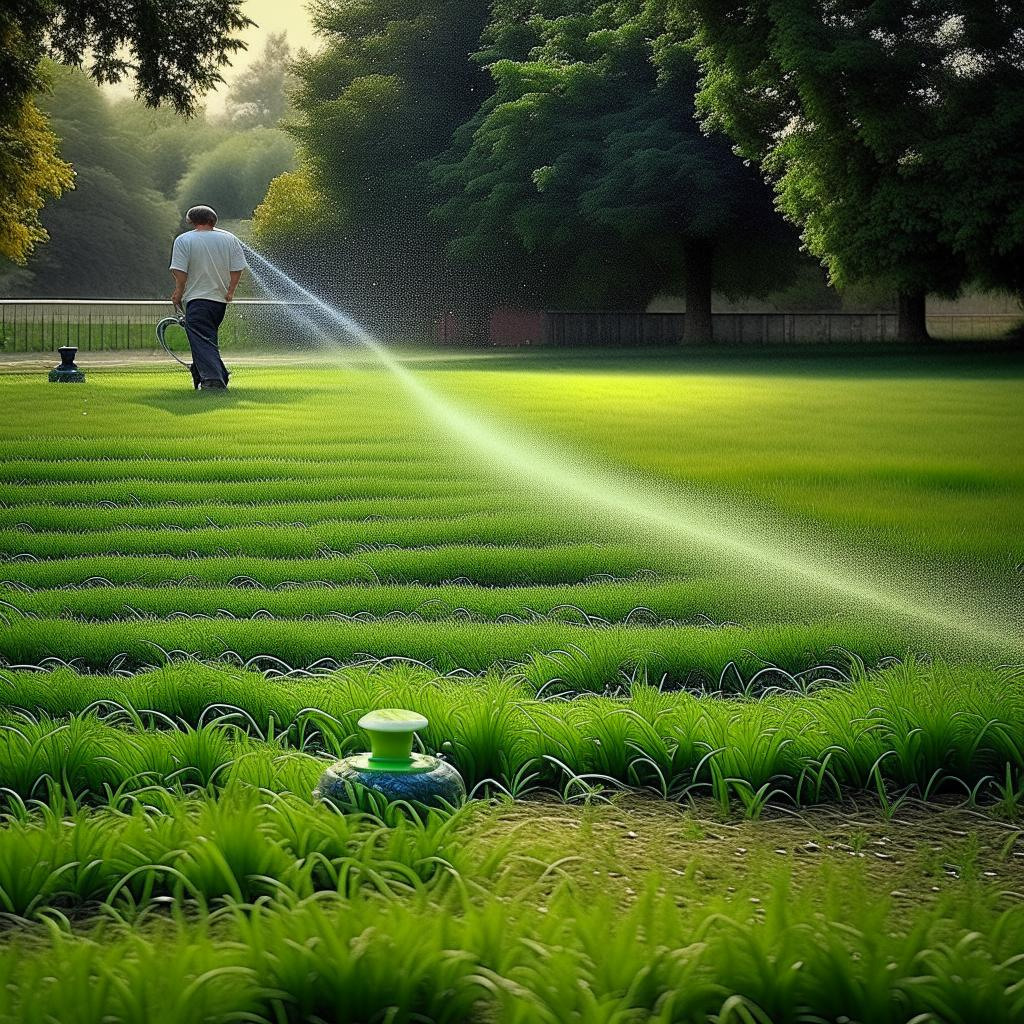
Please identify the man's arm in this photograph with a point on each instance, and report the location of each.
(179, 268)
(236, 267)
(232, 285)
(180, 277)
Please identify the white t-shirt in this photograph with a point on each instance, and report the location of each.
(208, 257)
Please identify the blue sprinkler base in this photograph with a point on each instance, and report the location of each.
(431, 781)
(60, 376)
(67, 372)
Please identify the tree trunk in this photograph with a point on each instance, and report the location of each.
(911, 325)
(698, 265)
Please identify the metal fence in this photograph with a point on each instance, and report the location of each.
(629, 329)
(44, 325)
(96, 325)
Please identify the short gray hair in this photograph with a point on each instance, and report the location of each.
(202, 215)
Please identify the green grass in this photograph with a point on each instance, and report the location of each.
(859, 464)
(738, 632)
(601, 653)
(637, 601)
(494, 565)
(541, 942)
(935, 729)
(283, 914)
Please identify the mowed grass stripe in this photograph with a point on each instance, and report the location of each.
(496, 565)
(635, 600)
(593, 657)
(304, 541)
(297, 446)
(183, 471)
(242, 492)
(492, 727)
(79, 519)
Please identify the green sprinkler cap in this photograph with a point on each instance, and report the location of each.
(391, 731)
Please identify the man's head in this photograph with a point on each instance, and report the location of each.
(201, 217)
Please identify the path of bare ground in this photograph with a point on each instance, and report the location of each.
(921, 852)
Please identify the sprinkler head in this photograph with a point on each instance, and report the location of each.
(391, 732)
(67, 372)
(391, 768)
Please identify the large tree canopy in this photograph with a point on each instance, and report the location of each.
(172, 48)
(383, 95)
(892, 131)
(587, 171)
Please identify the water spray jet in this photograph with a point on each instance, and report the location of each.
(677, 516)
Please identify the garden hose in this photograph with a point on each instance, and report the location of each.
(161, 329)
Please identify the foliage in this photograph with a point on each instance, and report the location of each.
(891, 131)
(30, 170)
(173, 48)
(294, 213)
(258, 97)
(170, 143)
(111, 236)
(382, 95)
(587, 175)
(234, 175)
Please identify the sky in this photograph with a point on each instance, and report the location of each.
(270, 16)
(274, 16)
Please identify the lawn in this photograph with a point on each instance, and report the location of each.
(727, 647)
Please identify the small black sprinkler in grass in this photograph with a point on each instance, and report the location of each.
(391, 768)
(67, 372)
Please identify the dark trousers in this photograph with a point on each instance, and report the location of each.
(202, 318)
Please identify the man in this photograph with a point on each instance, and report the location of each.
(206, 264)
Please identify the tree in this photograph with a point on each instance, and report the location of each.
(173, 48)
(258, 97)
(30, 170)
(111, 236)
(171, 142)
(383, 95)
(891, 131)
(233, 177)
(294, 213)
(587, 170)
